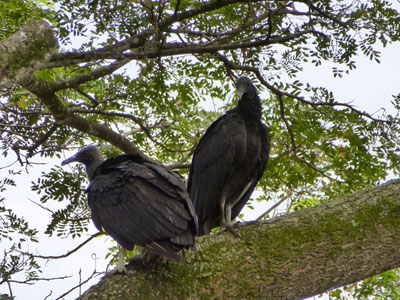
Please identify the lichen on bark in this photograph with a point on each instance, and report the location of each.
(23, 51)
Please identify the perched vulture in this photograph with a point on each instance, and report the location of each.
(137, 202)
(229, 161)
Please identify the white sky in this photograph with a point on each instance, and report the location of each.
(370, 87)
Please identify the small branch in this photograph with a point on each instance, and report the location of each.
(288, 126)
(325, 14)
(31, 281)
(181, 164)
(79, 285)
(42, 206)
(42, 140)
(160, 125)
(275, 205)
(86, 95)
(99, 15)
(178, 3)
(293, 142)
(69, 252)
(133, 118)
(96, 74)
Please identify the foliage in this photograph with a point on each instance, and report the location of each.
(15, 233)
(383, 286)
(60, 185)
(15, 13)
(183, 58)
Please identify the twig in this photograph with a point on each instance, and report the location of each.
(29, 281)
(69, 252)
(178, 3)
(133, 118)
(79, 285)
(275, 205)
(86, 95)
(79, 79)
(47, 297)
(293, 142)
(42, 140)
(42, 206)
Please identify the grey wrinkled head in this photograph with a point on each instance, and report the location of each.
(90, 156)
(244, 85)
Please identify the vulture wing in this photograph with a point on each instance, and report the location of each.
(139, 203)
(223, 145)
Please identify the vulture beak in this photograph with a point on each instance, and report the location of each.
(68, 160)
(241, 89)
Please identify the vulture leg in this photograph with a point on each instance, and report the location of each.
(226, 213)
(120, 265)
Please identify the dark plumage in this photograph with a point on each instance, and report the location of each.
(229, 161)
(138, 202)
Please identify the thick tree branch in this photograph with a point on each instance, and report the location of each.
(45, 91)
(139, 40)
(23, 51)
(291, 257)
(174, 49)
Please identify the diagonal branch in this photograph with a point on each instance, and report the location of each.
(233, 66)
(67, 253)
(264, 214)
(44, 90)
(42, 140)
(293, 142)
(74, 82)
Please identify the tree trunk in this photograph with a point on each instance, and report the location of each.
(290, 257)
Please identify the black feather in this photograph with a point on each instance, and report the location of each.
(139, 203)
(229, 160)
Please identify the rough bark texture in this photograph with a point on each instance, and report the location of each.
(291, 257)
(24, 50)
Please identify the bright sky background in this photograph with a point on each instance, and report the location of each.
(370, 87)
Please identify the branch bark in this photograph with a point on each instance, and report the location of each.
(291, 257)
(22, 52)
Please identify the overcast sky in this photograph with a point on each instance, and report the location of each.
(370, 87)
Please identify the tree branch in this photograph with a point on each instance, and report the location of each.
(45, 91)
(298, 255)
(174, 49)
(39, 43)
(67, 253)
(74, 82)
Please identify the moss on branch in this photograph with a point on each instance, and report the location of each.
(23, 51)
(290, 257)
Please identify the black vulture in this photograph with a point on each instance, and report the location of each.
(137, 202)
(228, 162)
